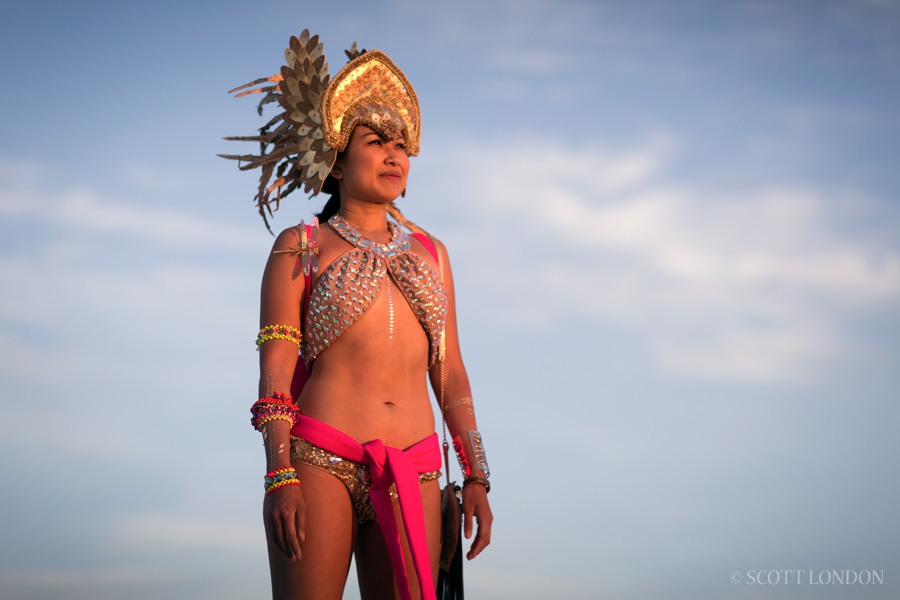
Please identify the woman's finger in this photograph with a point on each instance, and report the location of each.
(483, 535)
(301, 524)
(477, 545)
(468, 510)
(292, 542)
(279, 536)
(482, 539)
(270, 521)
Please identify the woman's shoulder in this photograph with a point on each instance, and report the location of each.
(288, 238)
(291, 238)
(431, 249)
(428, 241)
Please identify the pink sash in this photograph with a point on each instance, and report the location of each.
(388, 465)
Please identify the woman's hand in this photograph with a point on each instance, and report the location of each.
(475, 503)
(284, 513)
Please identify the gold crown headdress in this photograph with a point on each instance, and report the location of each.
(299, 146)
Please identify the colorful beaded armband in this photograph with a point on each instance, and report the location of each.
(281, 478)
(276, 417)
(277, 407)
(278, 398)
(278, 332)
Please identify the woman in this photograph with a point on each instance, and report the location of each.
(353, 457)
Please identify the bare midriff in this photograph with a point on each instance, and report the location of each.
(371, 386)
(368, 371)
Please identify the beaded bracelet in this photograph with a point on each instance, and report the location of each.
(280, 474)
(278, 332)
(282, 484)
(479, 480)
(280, 478)
(281, 470)
(278, 398)
(269, 418)
(267, 412)
(277, 406)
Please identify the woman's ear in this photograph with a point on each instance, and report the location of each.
(336, 171)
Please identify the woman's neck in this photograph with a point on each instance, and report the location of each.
(369, 219)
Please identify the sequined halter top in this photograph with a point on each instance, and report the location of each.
(350, 285)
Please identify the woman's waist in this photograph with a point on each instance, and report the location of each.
(319, 435)
(340, 375)
(396, 420)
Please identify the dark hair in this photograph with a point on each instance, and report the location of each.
(333, 205)
(330, 186)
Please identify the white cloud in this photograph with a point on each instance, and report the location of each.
(764, 355)
(757, 285)
(23, 195)
(86, 317)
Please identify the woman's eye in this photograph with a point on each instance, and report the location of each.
(375, 142)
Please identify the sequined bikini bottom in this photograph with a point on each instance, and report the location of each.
(354, 475)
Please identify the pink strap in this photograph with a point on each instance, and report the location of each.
(301, 371)
(388, 465)
(429, 245)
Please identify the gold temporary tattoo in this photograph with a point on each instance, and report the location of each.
(466, 401)
(387, 282)
(271, 452)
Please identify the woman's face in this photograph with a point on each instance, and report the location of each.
(372, 169)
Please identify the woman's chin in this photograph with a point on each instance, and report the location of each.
(387, 196)
(385, 193)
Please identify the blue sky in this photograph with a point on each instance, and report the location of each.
(675, 234)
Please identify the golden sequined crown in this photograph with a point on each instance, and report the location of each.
(299, 146)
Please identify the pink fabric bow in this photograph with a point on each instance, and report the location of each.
(389, 465)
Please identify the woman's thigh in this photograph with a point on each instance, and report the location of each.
(373, 562)
(321, 571)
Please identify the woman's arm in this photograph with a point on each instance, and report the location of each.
(451, 386)
(280, 304)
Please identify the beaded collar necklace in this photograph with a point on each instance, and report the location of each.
(398, 244)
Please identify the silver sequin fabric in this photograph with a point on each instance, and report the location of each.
(354, 475)
(350, 285)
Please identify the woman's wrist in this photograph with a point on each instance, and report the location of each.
(479, 481)
(272, 408)
(280, 478)
(470, 454)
